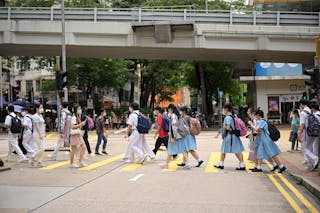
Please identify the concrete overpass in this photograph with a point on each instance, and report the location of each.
(177, 34)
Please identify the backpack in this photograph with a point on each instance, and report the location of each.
(235, 131)
(240, 125)
(313, 125)
(90, 122)
(144, 124)
(165, 123)
(183, 128)
(195, 126)
(16, 126)
(274, 133)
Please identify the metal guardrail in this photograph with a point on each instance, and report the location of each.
(146, 14)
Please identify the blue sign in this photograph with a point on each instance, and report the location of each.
(278, 69)
(220, 94)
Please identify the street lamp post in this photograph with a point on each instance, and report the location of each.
(206, 1)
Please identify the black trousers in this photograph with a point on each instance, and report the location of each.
(86, 141)
(159, 142)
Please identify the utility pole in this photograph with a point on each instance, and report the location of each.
(316, 63)
(64, 65)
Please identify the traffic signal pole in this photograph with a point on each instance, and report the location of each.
(1, 83)
(317, 62)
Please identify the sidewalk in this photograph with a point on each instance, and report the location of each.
(293, 161)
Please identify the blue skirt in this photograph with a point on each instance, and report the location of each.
(266, 148)
(172, 148)
(191, 142)
(232, 144)
(182, 144)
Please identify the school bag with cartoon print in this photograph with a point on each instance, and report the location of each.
(313, 125)
(195, 126)
(240, 125)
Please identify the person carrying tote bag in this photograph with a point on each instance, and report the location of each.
(76, 140)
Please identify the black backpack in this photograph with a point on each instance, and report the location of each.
(16, 126)
(274, 133)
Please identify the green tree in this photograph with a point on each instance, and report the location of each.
(49, 3)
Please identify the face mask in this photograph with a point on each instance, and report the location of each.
(130, 109)
(41, 110)
(23, 114)
(79, 111)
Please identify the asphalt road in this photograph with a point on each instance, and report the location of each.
(109, 185)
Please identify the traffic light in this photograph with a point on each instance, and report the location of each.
(61, 80)
(304, 96)
(6, 94)
(314, 80)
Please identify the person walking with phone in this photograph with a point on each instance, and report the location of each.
(102, 133)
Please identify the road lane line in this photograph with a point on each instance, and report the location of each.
(173, 164)
(285, 194)
(136, 177)
(102, 163)
(49, 135)
(311, 208)
(56, 165)
(249, 164)
(214, 158)
(134, 166)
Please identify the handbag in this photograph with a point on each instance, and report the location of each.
(75, 131)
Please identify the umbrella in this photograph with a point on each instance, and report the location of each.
(21, 102)
(4, 102)
(17, 108)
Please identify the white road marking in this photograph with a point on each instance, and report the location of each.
(136, 177)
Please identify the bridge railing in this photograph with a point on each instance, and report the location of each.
(150, 14)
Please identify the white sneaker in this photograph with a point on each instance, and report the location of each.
(38, 164)
(127, 161)
(186, 166)
(82, 164)
(315, 164)
(304, 162)
(163, 166)
(153, 159)
(73, 165)
(23, 160)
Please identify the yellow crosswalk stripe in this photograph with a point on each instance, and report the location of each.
(285, 194)
(101, 163)
(134, 166)
(311, 208)
(214, 158)
(3, 155)
(49, 135)
(55, 165)
(249, 164)
(173, 164)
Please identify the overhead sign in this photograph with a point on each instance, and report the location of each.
(278, 69)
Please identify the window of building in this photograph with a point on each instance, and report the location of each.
(18, 65)
(29, 85)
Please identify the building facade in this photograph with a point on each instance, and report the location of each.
(287, 5)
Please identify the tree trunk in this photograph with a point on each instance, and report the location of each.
(201, 71)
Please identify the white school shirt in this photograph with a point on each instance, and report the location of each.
(39, 119)
(27, 121)
(133, 119)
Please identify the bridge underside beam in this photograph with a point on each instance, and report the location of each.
(200, 54)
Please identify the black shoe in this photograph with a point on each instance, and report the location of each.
(199, 163)
(104, 152)
(241, 168)
(257, 170)
(181, 164)
(274, 168)
(97, 153)
(251, 169)
(218, 166)
(282, 169)
(174, 156)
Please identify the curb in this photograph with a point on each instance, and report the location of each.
(4, 168)
(314, 189)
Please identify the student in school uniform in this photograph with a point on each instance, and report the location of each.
(231, 142)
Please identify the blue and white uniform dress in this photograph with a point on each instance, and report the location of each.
(190, 140)
(172, 146)
(266, 148)
(231, 143)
